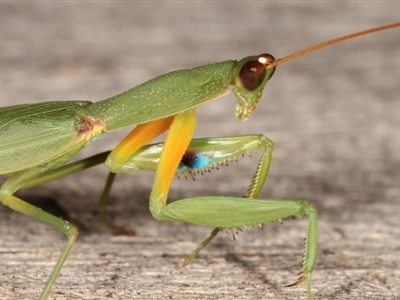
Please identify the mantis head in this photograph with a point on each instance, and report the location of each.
(250, 76)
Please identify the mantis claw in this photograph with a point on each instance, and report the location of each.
(301, 280)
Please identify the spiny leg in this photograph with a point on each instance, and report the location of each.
(224, 212)
(249, 143)
(201, 156)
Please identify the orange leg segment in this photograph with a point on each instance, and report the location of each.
(176, 143)
(138, 137)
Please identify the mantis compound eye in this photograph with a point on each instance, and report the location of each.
(253, 72)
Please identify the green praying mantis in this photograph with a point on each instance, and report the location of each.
(39, 139)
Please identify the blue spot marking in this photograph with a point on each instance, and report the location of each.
(199, 162)
(192, 160)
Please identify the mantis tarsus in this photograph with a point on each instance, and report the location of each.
(38, 139)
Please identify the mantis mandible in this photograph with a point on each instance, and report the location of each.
(38, 139)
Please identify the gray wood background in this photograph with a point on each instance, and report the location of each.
(333, 115)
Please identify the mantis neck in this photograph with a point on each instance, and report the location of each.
(164, 96)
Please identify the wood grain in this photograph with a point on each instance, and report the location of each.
(333, 115)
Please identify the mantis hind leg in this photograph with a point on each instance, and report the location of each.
(63, 226)
(22, 179)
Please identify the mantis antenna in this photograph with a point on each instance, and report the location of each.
(331, 42)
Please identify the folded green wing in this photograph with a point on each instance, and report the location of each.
(34, 134)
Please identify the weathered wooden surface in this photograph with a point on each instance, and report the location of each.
(333, 115)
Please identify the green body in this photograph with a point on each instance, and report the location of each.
(164, 96)
(37, 140)
(34, 134)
